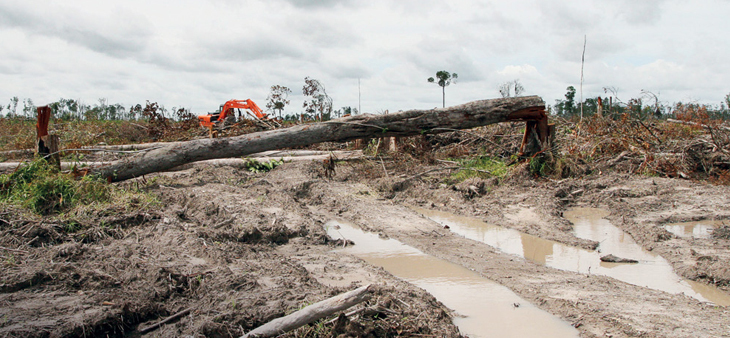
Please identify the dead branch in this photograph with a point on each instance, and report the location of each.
(13, 250)
(695, 124)
(288, 156)
(312, 313)
(163, 322)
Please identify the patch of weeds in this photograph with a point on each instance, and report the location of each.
(72, 227)
(539, 166)
(42, 189)
(261, 167)
(39, 187)
(371, 149)
(10, 261)
(481, 167)
(74, 157)
(547, 165)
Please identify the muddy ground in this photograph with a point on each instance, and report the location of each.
(239, 249)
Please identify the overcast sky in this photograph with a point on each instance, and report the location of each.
(198, 54)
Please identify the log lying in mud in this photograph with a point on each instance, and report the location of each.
(286, 156)
(311, 313)
(613, 259)
(406, 123)
(95, 148)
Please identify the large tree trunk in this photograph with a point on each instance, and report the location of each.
(412, 122)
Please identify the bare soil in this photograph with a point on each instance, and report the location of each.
(240, 249)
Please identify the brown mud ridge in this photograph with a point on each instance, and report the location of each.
(239, 249)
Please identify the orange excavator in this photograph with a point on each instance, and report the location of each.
(227, 112)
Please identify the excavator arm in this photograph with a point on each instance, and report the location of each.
(210, 120)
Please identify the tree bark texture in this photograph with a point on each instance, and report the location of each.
(311, 313)
(286, 156)
(406, 123)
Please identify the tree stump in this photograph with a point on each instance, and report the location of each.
(47, 145)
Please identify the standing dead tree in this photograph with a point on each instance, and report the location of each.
(406, 123)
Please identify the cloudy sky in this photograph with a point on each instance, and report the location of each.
(198, 54)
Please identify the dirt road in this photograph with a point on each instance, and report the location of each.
(240, 249)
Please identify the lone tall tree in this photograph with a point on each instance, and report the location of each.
(444, 79)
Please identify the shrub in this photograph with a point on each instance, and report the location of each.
(261, 167)
(41, 188)
(482, 167)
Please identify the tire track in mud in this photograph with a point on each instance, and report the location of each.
(597, 305)
(233, 275)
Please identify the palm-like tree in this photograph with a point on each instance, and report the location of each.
(444, 79)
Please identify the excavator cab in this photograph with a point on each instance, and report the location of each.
(227, 114)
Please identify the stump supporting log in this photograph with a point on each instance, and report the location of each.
(536, 123)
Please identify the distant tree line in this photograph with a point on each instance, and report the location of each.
(647, 105)
(318, 106)
(71, 109)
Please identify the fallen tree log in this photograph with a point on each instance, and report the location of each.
(406, 123)
(95, 148)
(311, 313)
(286, 156)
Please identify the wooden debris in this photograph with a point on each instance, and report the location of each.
(613, 259)
(165, 321)
(312, 313)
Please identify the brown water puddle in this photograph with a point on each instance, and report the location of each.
(486, 308)
(652, 271)
(699, 229)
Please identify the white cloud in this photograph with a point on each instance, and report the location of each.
(199, 54)
(119, 34)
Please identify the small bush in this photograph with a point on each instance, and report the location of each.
(41, 188)
(482, 167)
(262, 167)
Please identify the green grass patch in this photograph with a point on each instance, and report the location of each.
(262, 167)
(42, 189)
(481, 166)
(39, 187)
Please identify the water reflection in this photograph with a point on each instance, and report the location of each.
(652, 271)
(699, 229)
(487, 307)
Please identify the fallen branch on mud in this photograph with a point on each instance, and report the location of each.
(312, 313)
(165, 321)
(297, 155)
(407, 123)
(13, 250)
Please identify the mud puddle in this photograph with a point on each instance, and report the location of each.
(485, 308)
(652, 271)
(699, 229)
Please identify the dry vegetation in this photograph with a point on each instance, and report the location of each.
(47, 216)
